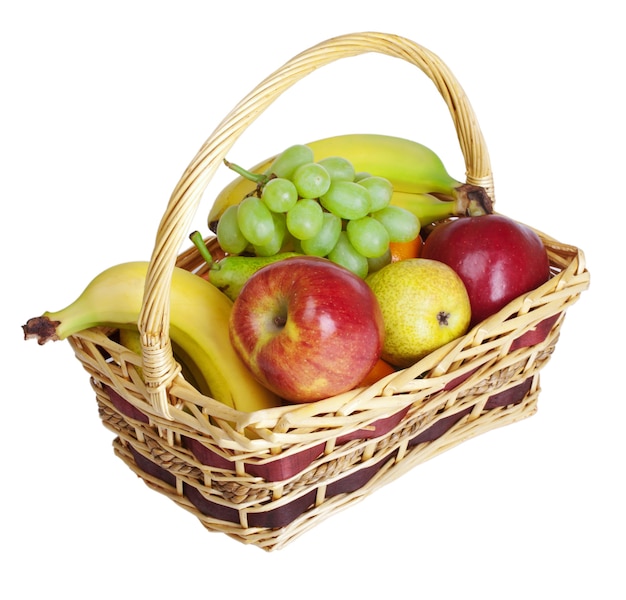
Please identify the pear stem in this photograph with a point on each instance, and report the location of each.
(259, 178)
(198, 241)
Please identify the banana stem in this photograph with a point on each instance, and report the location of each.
(259, 178)
(472, 200)
(198, 241)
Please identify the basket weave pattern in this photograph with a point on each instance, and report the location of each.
(264, 478)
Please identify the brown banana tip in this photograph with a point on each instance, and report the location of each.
(480, 202)
(42, 329)
(473, 200)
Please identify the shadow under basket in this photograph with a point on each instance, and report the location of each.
(266, 477)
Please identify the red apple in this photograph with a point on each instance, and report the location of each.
(497, 258)
(307, 328)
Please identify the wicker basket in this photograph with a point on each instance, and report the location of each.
(304, 462)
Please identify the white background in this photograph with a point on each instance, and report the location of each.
(102, 107)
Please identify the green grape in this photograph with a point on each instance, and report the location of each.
(305, 219)
(274, 246)
(289, 160)
(311, 180)
(368, 236)
(326, 238)
(339, 168)
(347, 200)
(255, 221)
(401, 224)
(380, 190)
(345, 255)
(229, 235)
(361, 175)
(279, 194)
(376, 264)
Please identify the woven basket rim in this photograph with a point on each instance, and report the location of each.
(487, 348)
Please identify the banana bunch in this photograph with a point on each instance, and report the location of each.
(199, 315)
(419, 178)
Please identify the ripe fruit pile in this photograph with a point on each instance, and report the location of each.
(321, 282)
(318, 208)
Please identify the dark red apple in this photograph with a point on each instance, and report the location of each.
(497, 258)
(307, 328)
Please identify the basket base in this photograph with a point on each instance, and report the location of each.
(422, 448)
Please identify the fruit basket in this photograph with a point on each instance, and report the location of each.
(267, 476)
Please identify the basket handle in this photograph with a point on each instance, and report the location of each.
(159, 365)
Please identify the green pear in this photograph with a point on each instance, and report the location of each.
(424, 304)
(231, 273)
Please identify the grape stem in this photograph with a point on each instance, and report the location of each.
(259, 178)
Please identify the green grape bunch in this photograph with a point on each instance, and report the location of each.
(318, 208)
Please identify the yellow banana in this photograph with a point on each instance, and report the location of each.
(411, 167)
(199, 315)
(430, 209)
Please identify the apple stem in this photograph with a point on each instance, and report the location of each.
(259, 178)
(198, 241)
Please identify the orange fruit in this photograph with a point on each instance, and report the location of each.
(404, 250)
(379, 370)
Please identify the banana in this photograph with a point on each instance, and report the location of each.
(430, 209)
(199, 315)
(411, 167)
